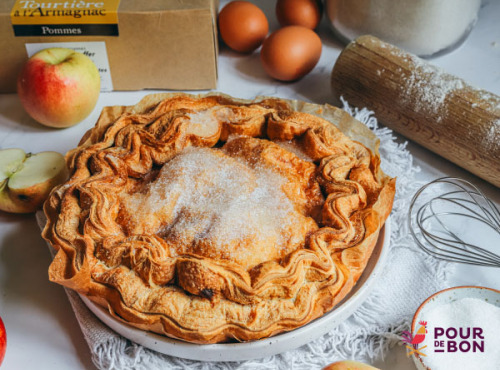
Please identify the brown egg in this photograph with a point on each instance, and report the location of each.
(290, 52)
(305, 13)
(242, 26)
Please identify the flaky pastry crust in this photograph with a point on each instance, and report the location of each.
(134, 259)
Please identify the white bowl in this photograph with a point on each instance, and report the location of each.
(446, 296)
(264, 347)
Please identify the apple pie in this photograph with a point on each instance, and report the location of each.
(212, 219)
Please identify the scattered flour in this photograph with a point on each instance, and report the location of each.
(492, 139)
(428, 86)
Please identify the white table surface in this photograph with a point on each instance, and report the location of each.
(42, 330)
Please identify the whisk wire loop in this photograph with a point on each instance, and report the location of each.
(430, 224)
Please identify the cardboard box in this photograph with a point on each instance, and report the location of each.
(161, 44)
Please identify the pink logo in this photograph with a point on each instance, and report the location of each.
(413, 340)
(448, 340)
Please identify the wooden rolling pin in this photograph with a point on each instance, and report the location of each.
(437, 110)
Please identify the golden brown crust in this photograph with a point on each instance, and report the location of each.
(153, 279)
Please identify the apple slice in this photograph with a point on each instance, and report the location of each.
(26, 180)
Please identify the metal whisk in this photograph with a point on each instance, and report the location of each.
(437, 212)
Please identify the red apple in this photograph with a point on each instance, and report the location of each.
(3, 341)
(59, 87)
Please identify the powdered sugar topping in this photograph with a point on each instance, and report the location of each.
(217, 206)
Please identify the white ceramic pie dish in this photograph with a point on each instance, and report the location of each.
(265, 347)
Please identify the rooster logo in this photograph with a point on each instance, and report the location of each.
(412, 341)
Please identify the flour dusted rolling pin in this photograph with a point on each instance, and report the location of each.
(437, 110)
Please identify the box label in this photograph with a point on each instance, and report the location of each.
(65, 18)
(95, 50)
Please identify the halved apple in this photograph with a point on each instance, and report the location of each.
(27, 179)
